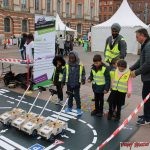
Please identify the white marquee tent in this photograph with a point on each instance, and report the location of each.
(129, 23)
(60, 26)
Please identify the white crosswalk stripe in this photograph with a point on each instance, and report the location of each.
(6, 145)
(13, 145)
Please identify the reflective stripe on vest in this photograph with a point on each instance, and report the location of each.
(98, 77)
(120, 83)
(60, 75)
(80, 72)
(112, 53)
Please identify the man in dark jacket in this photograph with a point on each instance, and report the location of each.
(142, 67)
(116, 46)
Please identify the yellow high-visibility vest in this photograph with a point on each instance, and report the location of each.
(120, 83)
(60, 75)
(80, 72)
(112, 53)
(98, 77)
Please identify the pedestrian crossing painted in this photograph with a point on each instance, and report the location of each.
(8, 144)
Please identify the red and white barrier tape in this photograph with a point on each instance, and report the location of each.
(13, 60)
(124, 123)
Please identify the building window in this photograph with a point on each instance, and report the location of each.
(58, 6)
(105, 9)
(37, 4)
(67, 9)
(48, 6)
(92, 12)
(24, 25)
(110, 9)
(79, 28)
(23, 4)
(79, 10)
(7, 24)
(5, 3)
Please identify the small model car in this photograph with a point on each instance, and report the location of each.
(19, 121)
(52, 129)
(7, 117)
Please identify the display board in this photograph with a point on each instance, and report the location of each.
(44, 49)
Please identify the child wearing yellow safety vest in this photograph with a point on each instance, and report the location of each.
(74, 76)
(121, 85)
(59, 64)
(100, 79)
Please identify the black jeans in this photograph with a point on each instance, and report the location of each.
(59, 91)
(116, 99)
(99, 102)
(145, 92)
(76, 92)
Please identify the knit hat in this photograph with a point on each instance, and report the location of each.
(116, 26)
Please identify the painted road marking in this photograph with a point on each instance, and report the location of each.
(5, 107)
(5, 90)
(59, 148)
(82, 121)
(65, 115)
(61, 118)
(94, 132)
(36, 147)
(90, 126)
(12, 143)
(2, 92)
(94, 140)
(10, 102)
(71, 113)
(6, 145)
(88, 147)
(71, 130)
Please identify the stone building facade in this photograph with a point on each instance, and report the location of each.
(140, 7)
(17, 16)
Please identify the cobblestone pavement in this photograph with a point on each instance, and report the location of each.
(86, 92)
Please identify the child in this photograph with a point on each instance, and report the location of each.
(74, 75)
(100, 79)
(59, 64)
(121, 84)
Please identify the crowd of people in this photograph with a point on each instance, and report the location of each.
(116, 77)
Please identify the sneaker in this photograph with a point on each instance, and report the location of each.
(94, 112)
(67, 110)
(142, 121)
(140, 117)
(79, 112)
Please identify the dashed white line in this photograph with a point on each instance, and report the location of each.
(59, 148)
(94, 140)
(6, 145)
(5, 90)
(39, 107)
(90, 126)
(2, 92)
(5, 107)
(71, 130)
(60, 117)
(82, 121)
(12, 143)
(71, 113)
(88, 147)
(11, 98)
(65, 115)
(94, 132)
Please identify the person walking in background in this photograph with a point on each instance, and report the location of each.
(74, 76)
(121, 85)
(22, 48)
(100, 79)
(142, 67)
(5, 43)
(116, 46)
(61, 43)
(57, 77)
